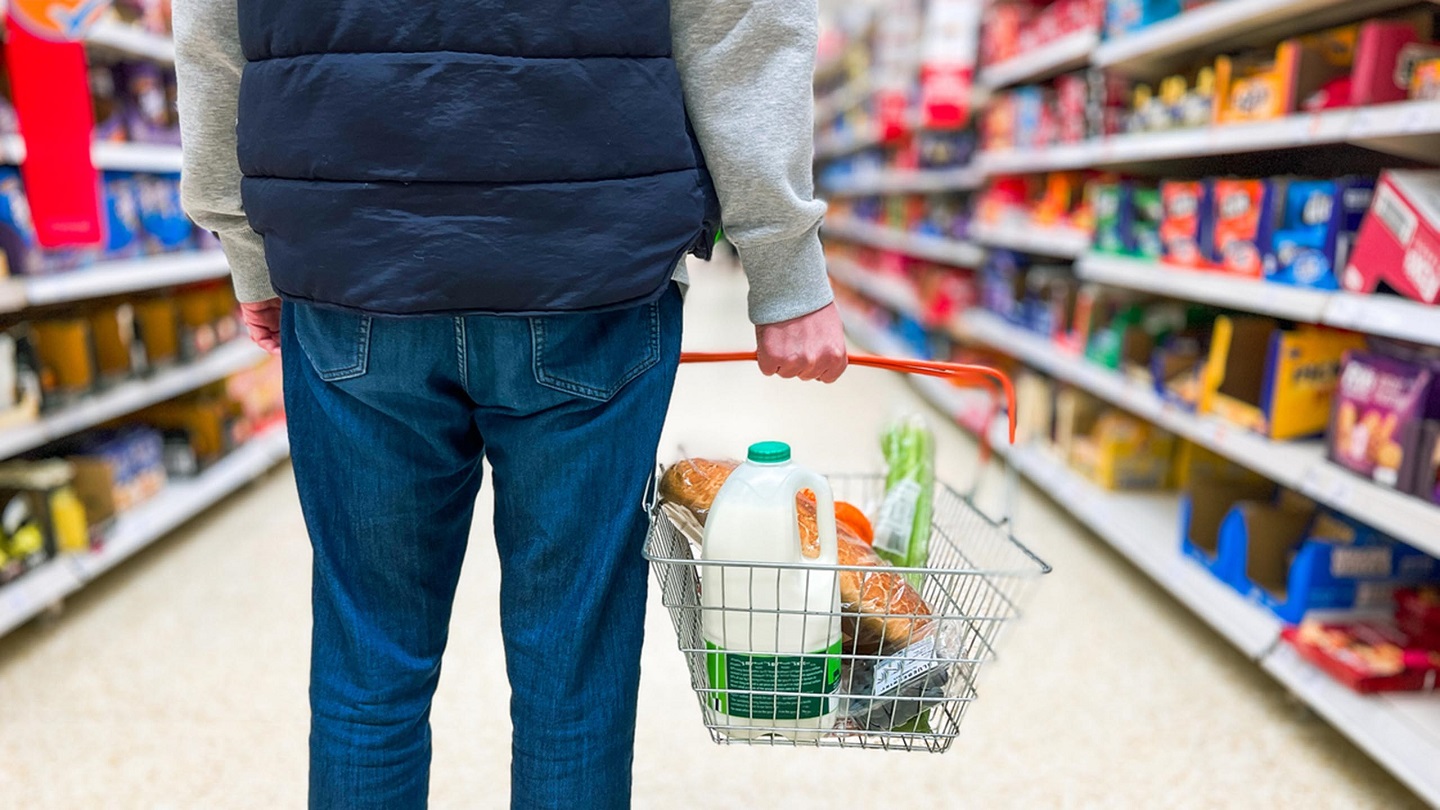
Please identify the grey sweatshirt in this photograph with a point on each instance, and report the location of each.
(746, 68)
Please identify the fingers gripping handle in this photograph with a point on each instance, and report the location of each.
(969, 374)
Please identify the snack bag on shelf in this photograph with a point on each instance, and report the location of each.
(123, 226)
(166, 226)
(902, 528)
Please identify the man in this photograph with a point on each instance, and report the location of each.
(461, 223)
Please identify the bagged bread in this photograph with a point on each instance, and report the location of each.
(883, 613)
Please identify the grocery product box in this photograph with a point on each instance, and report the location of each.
(67, 358)
(132, 457)
(1417, 614)
(41, 508)
(1297, 560)
(1243, 224)
(1284, 392)
(1205, 504)
(1399, 241)
(1260, 86)
(1366, 656)
(1380, 76)
(1121, 452)
(1318, 220)
(1382, 423)
(1187, 221)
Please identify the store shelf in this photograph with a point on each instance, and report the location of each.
(1400, 731)
(122, 157)
(128, 275)
(1407, 128)
(1066, 53)
(1065, 243)
(907, 181)
(1297, 465)
(1387, 315)
(839, 102)
(1220, 289)
(890, 291)
(935, 249)
(180, 501)
(130, 396)
(130, 40)
(1223, 26)
(840, 144)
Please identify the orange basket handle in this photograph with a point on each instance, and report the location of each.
(973, 375)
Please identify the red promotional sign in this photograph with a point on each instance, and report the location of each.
(51, 88)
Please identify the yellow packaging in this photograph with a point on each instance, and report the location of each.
(64, 349)
(1256, 88)
(1425, 80)
(113, 331)
(1277, 382)
(1123, 452)
(159, 326)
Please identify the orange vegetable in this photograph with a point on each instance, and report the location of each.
(851, 516)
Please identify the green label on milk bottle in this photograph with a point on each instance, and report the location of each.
(773, 687)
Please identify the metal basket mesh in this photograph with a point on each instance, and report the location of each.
(896, 697)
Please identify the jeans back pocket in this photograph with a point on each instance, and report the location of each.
(594, 355)
(337, 342)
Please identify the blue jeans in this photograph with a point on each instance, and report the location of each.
(389, 418)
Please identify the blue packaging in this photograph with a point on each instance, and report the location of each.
(165, 224)
(1125, 16)
(123, 226)
(17, 229)
(1320, 220)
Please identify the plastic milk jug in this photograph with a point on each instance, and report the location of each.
(772, 631)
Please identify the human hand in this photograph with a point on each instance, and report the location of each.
(810, 347)
(262, 320)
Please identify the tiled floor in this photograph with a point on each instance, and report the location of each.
(178, 681)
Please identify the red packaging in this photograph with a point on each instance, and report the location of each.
(1240, 225)
(1422, 605)
(1399, 241)
(1180, 229)
(1071, 97)
(1376, 78)
(1366, 656)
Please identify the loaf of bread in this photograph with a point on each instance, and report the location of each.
(883, 613)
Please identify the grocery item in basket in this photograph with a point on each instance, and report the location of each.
(772, 633)
(895, 691)
(882, 612)
(902, 530)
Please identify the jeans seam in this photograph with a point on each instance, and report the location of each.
(362, 356)
(537, 343)
(461, 353)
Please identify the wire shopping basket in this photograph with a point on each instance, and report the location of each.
(914, 638)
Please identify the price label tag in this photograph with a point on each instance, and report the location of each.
(1333, 487)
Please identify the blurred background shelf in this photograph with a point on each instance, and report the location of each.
(935, 249)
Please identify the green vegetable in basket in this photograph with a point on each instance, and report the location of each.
(902, 532)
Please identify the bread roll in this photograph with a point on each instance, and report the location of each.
(883, 613)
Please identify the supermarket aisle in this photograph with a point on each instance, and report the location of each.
(179, 680)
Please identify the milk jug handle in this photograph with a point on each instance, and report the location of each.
(824, 509)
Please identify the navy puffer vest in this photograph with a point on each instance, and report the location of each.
(456, 156)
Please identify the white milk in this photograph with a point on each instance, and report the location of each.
(770, 630)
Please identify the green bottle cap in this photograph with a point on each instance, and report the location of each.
(769, 452)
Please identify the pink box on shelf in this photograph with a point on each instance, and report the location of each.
(1399, 241)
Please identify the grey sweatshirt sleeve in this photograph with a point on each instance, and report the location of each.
(208, 63)
(747, 67)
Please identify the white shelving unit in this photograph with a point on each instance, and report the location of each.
(1298, 465)
(1402, 732)
(1066, 53)
(123, 157)
(126, 275)
(944, 251)
(1408, 128)
(1385, 315)
(1225, 25)
(895, 293)
(130, 396)
(131, 40)
(1065, 243)
(908, 181)
(180, 501)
